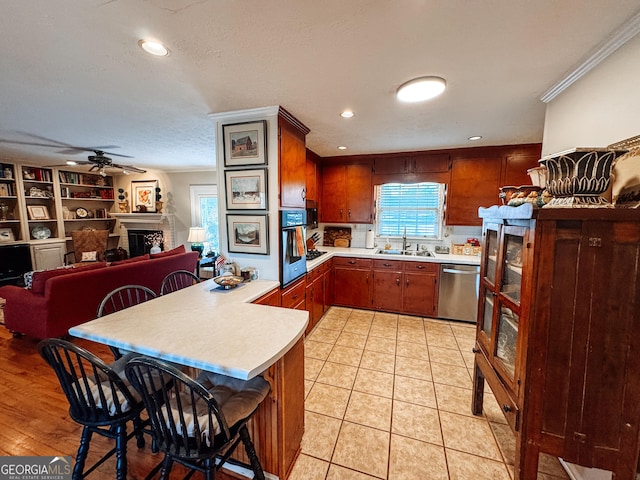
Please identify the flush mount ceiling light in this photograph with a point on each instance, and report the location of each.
(342, 147)
(154, 48)
(71, 162)
(421, 89)
(475, 137)
(347, 114)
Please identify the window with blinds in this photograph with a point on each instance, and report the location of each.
(418, 207)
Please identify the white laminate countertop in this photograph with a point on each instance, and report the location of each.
(372, 253)
(215, 330)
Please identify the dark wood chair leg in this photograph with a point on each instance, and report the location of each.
(81, 456)
(167, 463)
(251, 453)
(121, 452)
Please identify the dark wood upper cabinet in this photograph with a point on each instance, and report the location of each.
(347, 193)
(411, 164)
(292, 156)
(312, 175)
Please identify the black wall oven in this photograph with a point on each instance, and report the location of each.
(293, 249)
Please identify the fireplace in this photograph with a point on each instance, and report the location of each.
(141, 241)
(136, 228)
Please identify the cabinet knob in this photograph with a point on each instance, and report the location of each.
(303, 193)
(507, 408)
(475, 350)
(349, 213)
(419, 267)
(398, 281)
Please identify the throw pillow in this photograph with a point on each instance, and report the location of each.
(131, 260)
(89, 256)
(168, 253)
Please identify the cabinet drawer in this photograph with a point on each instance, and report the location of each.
(293, 294)
(313, 274)
(420, 267)
(395, 265)
(352, 262)
(503, 397)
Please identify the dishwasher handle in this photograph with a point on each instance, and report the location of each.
(460, 272)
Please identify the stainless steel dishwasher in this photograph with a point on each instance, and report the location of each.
(458, 293)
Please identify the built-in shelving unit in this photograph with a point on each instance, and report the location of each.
(86, 201)
(40, 204)
(10, 230)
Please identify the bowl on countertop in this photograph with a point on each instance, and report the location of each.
(228, 281)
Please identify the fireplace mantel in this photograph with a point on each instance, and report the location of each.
(164, 222)
(127, 219)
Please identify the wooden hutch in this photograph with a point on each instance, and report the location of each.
(558, 333)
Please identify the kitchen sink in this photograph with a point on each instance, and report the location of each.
(411, 253)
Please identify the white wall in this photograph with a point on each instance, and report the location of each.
(601, 108)
(174, 188)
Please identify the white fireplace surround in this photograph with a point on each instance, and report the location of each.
(146, 221)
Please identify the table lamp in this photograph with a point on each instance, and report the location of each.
(196, 237)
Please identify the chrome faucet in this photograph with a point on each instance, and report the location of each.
(405, 245)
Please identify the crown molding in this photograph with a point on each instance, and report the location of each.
(617, 39)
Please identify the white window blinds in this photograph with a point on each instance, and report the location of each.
(418, 207)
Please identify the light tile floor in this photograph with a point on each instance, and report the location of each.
(389, 397)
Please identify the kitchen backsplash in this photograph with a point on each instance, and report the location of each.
(359, 232)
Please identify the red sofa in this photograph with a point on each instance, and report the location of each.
(62, 298)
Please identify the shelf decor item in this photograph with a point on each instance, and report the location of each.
(6, 235)
(578, 177)
(245, 143)
(248, 234)
(246, 189)
(159, 203)
(38, 212)
(144, 195)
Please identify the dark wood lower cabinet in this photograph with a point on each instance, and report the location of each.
(352, 282)
(574, 390)
(420, 288)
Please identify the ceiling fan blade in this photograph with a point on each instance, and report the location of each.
(129, 168)
(21, 142)
(71, 150)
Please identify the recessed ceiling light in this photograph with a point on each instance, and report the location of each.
(347, 114)
(71, 162)
(154, 48)
(420, 89)
(342, 147)
(475, 137)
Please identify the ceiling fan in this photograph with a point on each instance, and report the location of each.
(100, 162)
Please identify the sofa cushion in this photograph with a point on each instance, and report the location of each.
(39, 278)
(139, 258)
(168, 253)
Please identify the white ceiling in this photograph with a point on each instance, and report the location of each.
(71, 71)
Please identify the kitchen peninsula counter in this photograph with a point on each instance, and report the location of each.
(207, 328)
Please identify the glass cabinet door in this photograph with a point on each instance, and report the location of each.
(507, 338)
(491, 256)
(512, 267)
(487, 314)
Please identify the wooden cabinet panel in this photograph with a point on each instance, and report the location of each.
(434, 162)
(516, 166)
(347, 194)
(387, 290)
(292, 157)
(352, 283)
(47, 256)
(420, 291)
(273, 298)
(294, 295)
(312, 176)
(411, 164)
(389, 165)
(475, 182)
(359, 194)
(328, 278)
(292, 168)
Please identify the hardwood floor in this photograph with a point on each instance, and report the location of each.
(34, 417)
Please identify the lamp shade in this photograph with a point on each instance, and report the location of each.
(196, 235)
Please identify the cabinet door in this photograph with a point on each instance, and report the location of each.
(318, 299)
(311, 180)
(333, 203)
(474, 183)
(420, 289)
(352, 287)
(391, 165)
(359, 194)
(387, 290)
(292, 168)
(435, 162)
(328, 280)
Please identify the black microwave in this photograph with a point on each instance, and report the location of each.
(312, 217)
